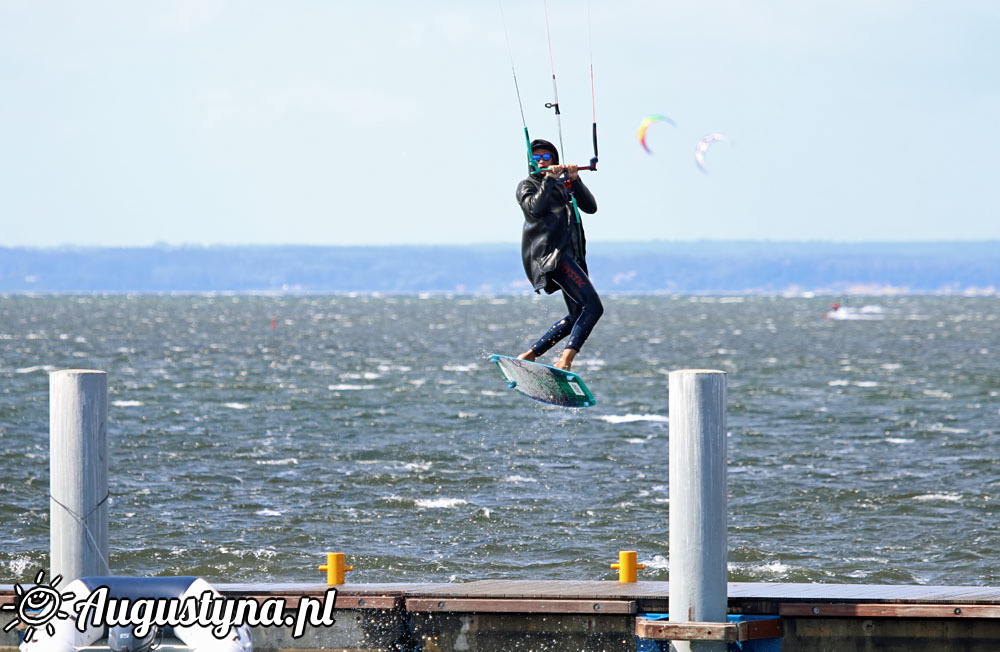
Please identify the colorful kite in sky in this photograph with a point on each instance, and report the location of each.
(702, 147)
(644, 125)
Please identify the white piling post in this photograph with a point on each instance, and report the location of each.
(78, 473)
(698, 554)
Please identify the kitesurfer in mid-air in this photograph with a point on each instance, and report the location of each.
(553, 249)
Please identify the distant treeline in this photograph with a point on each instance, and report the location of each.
(707, 266)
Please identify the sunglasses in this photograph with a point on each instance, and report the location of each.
(542, 157)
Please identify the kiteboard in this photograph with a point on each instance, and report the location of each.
(544, 383)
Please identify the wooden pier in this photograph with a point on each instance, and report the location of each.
(570, 616)
(583, 616)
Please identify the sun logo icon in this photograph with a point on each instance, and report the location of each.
(37, 606)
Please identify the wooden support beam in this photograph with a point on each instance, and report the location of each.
(730, 632)
(342, 602)
(490, 605)
(883, 610)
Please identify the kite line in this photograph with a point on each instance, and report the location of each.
(554, 104)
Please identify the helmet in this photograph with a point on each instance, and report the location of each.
(544, 144)
(123, 639)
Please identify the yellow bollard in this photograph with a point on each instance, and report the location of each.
(335, 568)
(626, 566)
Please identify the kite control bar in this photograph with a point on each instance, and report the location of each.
(534, 168)
(580, 168)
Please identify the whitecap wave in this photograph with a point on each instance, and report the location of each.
(949, 497)
(937, 427)
(440, 503)
(31, 370)
(368, 375)
(288, 461)
(417, 466)
(632, 418)
(658, 562)
(765, 568)
(19, 566)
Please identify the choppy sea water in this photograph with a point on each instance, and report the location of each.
(862, 449)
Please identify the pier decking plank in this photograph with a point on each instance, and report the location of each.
(775, 593)
(771, 592)
(520, 605)
(883, 610)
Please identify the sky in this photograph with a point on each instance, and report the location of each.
(204, 122)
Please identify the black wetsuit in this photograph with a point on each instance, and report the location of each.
(553, 250)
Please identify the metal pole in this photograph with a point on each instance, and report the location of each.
(698, 578)
(78, 473)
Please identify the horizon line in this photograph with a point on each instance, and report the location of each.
(194, 245)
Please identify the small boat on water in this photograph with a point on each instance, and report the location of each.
(847, 313)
